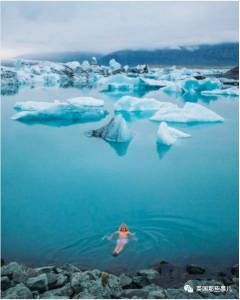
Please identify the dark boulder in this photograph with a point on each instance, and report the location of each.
(232, 73)
(39, 283)
(193, 269)
(5, 283)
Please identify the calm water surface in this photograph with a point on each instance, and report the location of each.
(63, 191)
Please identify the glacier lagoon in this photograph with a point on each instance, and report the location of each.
(62, 191)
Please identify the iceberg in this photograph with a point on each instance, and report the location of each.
(133, 104)
(117, 83)
(167, 135)
(189, 113)
(114, 65)
(152, 84)
(74, 110)
(233, 91)
(73, 65)
(194, 85)
(115, 131)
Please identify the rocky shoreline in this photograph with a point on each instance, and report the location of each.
(163, 281)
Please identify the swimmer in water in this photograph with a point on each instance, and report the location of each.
(123, 235)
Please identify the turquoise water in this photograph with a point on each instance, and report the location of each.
(63, 191)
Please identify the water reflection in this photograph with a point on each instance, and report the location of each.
(162, 149)
(62, 120)
(120, 148)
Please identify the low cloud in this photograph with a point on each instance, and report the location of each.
(35, 27)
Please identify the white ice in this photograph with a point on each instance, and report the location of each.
(232, 91)
(189, 113)
(167, 135)
(114, 65)
(116, 131)
(131, 104)
(80, 107)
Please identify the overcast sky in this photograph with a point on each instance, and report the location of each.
(29, 27)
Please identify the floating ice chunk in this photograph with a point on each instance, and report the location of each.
(189, 113)
(194, 85)
(152, 83)
(86, 65)
(85, 102)
(34, 105)
(117, 82)
(131, 104)
(82, 109)
(167, 135)
(115, 131)
(114, 65)
(73, 65)
(233, 91)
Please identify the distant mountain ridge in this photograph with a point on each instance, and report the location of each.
(224, 54)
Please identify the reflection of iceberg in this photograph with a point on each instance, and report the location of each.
(162, 149)
(75, 110)
(167, 135)
(189, 113)
(233, 91)
(116, 131)
(131, 104)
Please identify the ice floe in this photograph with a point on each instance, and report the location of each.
(115, 131)
(80, 109)
(131, 104)
(189, 113)
(167, 135)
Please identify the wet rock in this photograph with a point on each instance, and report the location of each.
(150, 274)
(70, 268)
(56, 280)
(233, 73)
(139, 293)
(5, 283)
(64, 292)
(46, 269)
(17, 272)
(158, 294)
(193, 269)
(235, 270)
(20, 291)
(140, 281)
(78, 279)
(125, 281)
(94, 274)
(180, 294)
(39, 283)
(154, 292)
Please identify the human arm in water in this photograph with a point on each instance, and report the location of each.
(111, 236)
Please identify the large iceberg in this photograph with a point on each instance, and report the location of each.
(114, 65)
(167, 135)
(189, 113)
(134, 104)
(74, 110)
(194, 85)
(117, 82)
(115, 131)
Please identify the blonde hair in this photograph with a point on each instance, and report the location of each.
(123, 226)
